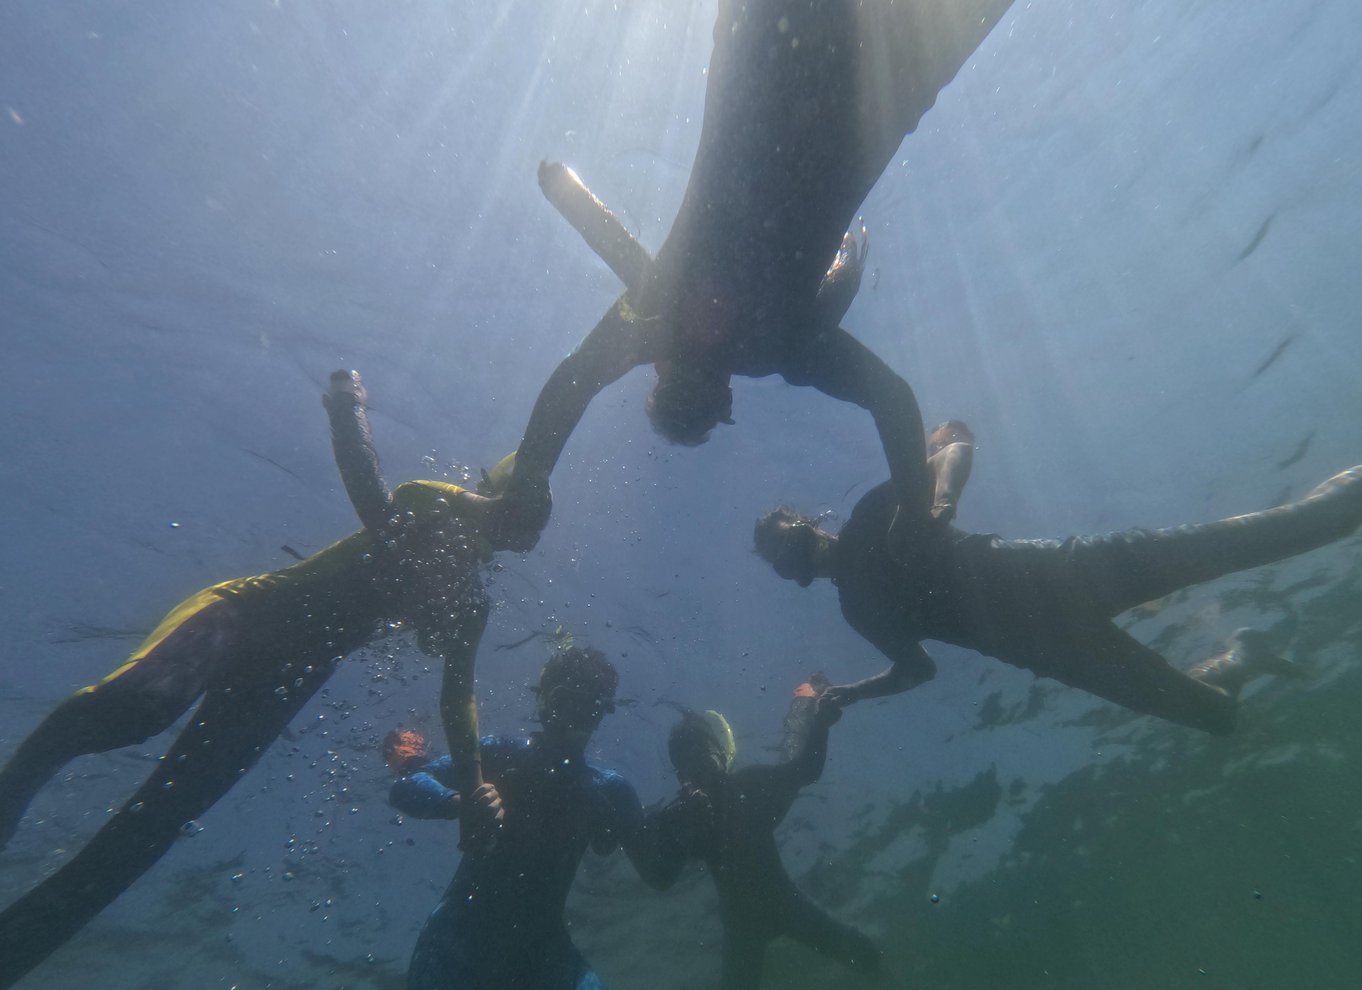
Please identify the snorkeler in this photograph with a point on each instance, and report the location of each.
(500, 924)
(256, 649)
(804, 107)
(1047, 605)
(728, 818)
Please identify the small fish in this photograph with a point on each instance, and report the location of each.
(1276, 353)
(271, 461)
(519, 642)
(1257, 240)
(291, 552)
(1299, 452)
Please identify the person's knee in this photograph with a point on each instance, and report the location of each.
(109, 716)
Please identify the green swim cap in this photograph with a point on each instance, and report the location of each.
(723, 734)
(494, 481)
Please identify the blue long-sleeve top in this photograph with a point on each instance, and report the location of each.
(555, 807)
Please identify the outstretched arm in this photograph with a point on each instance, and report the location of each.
(839, 365)
(620, 342)
(656, 843)
(664, 844)
(773, 787)
(457, 646)
(599, 227)
(911, 666)
(617, 344)
(353, 444)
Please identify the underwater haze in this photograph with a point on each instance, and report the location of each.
(1122, 246)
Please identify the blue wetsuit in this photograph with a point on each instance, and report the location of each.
(500, 923)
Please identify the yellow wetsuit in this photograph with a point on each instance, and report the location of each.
(257, 648)
(336, 596)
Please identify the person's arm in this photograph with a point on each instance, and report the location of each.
(661, 847)
(619, 343)
(456, 644)
(599, 227)
(950, 468)
(458, 647)
(426, 793)
(911, 666)
(806, 766)
(655, 843)
(352, 442)
(772, 788)
(839, 365)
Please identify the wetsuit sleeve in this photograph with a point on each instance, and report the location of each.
(426, 792)
(665, 844)
(910, 666)
(599, 227)
(770, 789)
(620, 342)
(352, 443)
(622, 824)
(839, 365)
(458, 649)
(619, 814)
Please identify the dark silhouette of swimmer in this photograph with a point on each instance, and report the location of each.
(805, 105)
(500, 924)
(256, 649)
(728, 818)
(1047, 605)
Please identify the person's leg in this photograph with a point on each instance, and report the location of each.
(140, 699)
(224, 738)
(808, 923)
(1103, 660)
(442, 959)
(1247, 655)
(1136, 566)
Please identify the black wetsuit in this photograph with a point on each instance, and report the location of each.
(805, 105)
(500, 924)
(1048, 605)
(758, 902)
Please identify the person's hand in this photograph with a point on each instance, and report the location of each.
(481, 819)
(943, 512)
(694, 811)
(828, 710)
(837, 697)
(345, 388)
(519, 516)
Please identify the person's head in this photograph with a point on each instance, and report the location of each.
(576, 690)
(949, 432)
(403, 748)
(701, 747)
(687, 401)
(792, 544)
